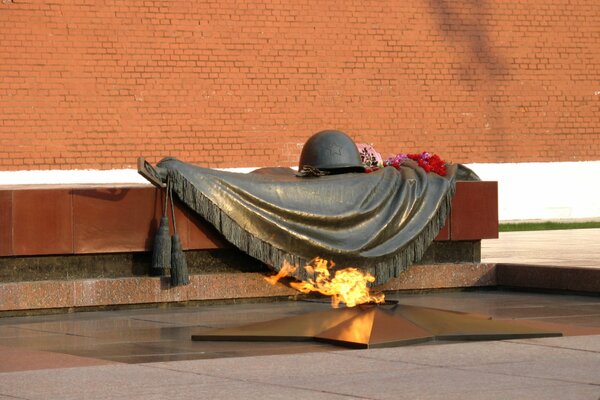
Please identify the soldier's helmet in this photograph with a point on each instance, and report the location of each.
(331, 151)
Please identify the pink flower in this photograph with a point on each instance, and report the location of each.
(368, 156)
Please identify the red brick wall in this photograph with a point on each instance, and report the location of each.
(94, 84)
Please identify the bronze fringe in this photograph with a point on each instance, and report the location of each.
(382, 269)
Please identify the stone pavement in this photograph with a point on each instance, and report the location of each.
(564, 248)
(147, 353)
(565, 368)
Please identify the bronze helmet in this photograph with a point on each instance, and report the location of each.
(331, 151)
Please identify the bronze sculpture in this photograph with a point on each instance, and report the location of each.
(380, 222)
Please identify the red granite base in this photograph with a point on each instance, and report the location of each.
(44, 295)
(443, 276)
(112, 219)
(139, 290)
(20, 296)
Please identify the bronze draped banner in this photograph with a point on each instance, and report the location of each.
(380, 222)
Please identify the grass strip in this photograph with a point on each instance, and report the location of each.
(546, 226)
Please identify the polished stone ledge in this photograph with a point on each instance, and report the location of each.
(547, 277)
(60, 294)
(63, 294)
(137, 290)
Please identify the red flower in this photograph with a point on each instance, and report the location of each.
(429, 162)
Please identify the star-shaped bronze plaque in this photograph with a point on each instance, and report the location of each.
(371, 326)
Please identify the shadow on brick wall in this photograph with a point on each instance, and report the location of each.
(464, 24)
(483, 68)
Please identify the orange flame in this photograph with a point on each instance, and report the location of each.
(286, 269)
(348, 285)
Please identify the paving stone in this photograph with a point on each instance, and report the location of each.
(563, 367)
(567, 391)
(19, 359)
(570, 366)
(456, 354)
(587, 343)
(568, 248)
(230, 390)
(286, 369)
(94, 382)
(400, 383)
